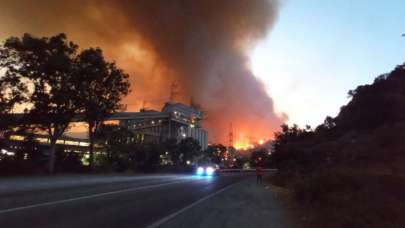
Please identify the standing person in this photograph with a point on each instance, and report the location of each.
(258, 174)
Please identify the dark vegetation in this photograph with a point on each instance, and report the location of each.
(350, 171)
(55, 82)
(121, 153)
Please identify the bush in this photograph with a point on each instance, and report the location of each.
(352, 199)
(120, 165)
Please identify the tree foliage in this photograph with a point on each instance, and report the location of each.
(215, 152)
(367, 129)
(100, 87)
(56, 83)
(46, 65)
(13, 91)
(188, 149)
(351, 163)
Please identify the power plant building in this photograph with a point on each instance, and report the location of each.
(175, 120)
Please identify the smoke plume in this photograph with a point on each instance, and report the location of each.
(200, 45)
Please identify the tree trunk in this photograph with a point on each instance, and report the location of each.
(51, 164)
(91, 145)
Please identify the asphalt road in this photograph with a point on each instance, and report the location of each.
(108, 202)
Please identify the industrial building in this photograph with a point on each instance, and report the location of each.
(175, 120)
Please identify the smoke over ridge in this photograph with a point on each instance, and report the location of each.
(202, 45)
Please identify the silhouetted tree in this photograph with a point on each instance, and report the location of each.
(171, 146)
(100, 88)
(215, 152)
(47, 66)
(367, 129)
(32, 148)
(13, 90)
(153, 151)
(376, 104)
(117, 142)
(260, 158)
(189, 148)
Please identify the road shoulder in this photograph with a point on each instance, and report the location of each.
(245, 204)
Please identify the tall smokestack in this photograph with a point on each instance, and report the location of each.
(201, 44)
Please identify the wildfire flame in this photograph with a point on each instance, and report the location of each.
(244, 143)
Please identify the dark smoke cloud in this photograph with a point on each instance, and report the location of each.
(202, 45)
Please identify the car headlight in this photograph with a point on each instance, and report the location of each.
(200, 171)
(209, 171)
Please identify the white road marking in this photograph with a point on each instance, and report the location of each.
(90, 196)
(171, 216)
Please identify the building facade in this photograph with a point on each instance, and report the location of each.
(175, 120)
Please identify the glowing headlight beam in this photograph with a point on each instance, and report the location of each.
(209, 171)
(200, 171)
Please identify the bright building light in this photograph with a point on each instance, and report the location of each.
(188, 162)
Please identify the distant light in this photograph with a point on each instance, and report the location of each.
(209, 171)
(261, 141)
(200, 170)
(6, 152)
(184, 135)
(188, 162)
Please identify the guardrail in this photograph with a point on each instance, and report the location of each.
(245, 170)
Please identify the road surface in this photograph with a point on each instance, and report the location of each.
(129, 201)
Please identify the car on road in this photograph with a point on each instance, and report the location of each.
(207, 169)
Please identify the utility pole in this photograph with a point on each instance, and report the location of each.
(230, 135)
(174, 92)
(143, 108)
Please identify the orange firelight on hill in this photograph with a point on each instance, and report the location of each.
(246, 143)
(240, 145)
